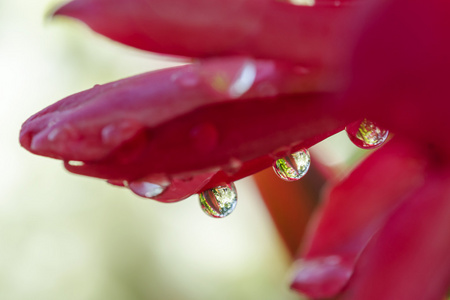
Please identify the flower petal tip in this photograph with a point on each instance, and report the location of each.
(73, 9)
(321, 277)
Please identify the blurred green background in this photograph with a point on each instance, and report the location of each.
(63, 236)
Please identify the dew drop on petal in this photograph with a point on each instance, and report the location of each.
(366, 134)
(147, 189)
(233, 166)
(293, 166)
(220, 201)
(63, 134)
(232, 79)
(119, 132)
(244, 80)
(186, 79)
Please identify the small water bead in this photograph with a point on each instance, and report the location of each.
(366, 134)
(220, 201)
(293, 166)
(147, 189)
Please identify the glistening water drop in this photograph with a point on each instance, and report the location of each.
(293, 166)
(366, 134)
(148, 189)
(220, 201)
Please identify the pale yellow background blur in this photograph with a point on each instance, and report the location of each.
(63, 236)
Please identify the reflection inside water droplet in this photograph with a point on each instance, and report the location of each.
(220, 201)
(293, 166)
(366, 134)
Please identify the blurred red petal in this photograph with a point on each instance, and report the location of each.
(409, 258)
(400, 71)
(354, 210)
(290, 202)
(199, 28)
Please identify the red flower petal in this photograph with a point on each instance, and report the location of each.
(400, 71)
(199, 28)
(201, 117)
(354, 210)
(88, 125)
(409, 258)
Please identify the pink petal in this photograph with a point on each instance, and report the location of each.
(203, 28)
(354, 210)
(409, 258)
(89, 124)
(218, 115)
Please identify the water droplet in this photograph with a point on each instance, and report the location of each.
(244, 80)
(116, 133)
(63, 134)
(233, 166)
(232, 78)
(294, 166)
(220, 201)
(366, 134)
(186, 78)
(148, 189)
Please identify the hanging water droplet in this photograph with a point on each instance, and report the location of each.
(293, 166)
(147, 189)
(220, 201)
(366, 134)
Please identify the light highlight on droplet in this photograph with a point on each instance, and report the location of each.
(294, 166)
(366, 134)
(220, 201)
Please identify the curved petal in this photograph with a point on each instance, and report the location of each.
(217, 115)
(204, 28)
(89, 124)
(409, 258)
(353, 211)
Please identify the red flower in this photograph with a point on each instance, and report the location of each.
(272, 79)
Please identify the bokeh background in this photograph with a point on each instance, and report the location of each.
(63, 236)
